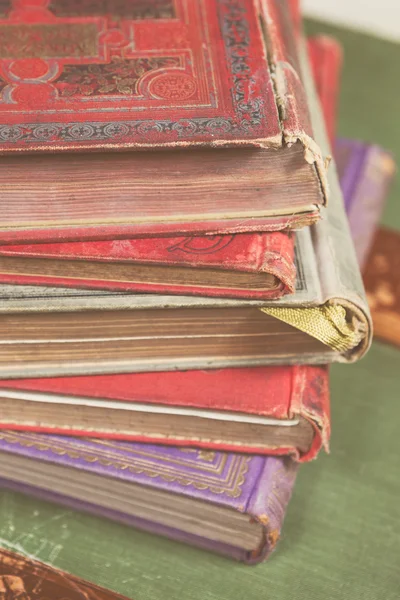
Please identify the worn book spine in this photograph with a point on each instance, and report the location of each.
(366, 172)
(340, 318)
(257, 486)
(290, 92)
(276, 392)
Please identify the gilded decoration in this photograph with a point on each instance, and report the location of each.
(225, 475)
(120, 76)
(238, 111)
(174, 86)
(48, 40)
(119, 9)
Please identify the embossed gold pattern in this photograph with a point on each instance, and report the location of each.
(120, 76)
(223, 478)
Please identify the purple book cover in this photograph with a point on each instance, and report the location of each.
(258, 486)
(365, 174)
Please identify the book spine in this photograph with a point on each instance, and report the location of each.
(268, 502)
(373, 179)
(282, 51)
(311, 399)
(326, 57)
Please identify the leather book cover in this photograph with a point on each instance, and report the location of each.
(158, 75)
(282, 393)
(132, 74)
(257, 486)
(326, 58)
(254, 253)
(366, 172)
(382, 284)
(24, 578)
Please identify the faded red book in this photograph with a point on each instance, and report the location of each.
(326, 57)
(382, 284)
(252, 265)
(261, 410)
(217, 77)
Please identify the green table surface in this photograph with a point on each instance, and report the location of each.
(342, 532)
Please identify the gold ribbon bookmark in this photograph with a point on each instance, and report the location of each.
(327, 323)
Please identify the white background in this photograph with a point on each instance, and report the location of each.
(381, 17)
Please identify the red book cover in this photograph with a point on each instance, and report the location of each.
(281, 393)
(326, 57)
(252, 265)
(128, 74)
(154, 75)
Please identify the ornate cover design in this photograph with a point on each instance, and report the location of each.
(276, 392)
(271, 253)
(259, 486)
(22, 578)
(132, 73)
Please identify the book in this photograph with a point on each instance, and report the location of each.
(270, 410)
(326, 58)
(215, 78)
(54, 332)
(245, 265)
(382, 282)
(23, 578)
(217, 263)
(227, 503)
(366, 172)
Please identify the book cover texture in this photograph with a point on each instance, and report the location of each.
(132, 74)
(258, 486)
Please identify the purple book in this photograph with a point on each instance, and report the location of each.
(228, 503)
(365, 173)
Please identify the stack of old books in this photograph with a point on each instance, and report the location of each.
(176, 265)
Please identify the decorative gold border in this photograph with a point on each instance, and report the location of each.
(142, 462)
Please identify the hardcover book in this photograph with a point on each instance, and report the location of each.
(382, 282)
(275, 410)
(216, 77)
(228, 503)
(23, 578)
(55, 332)
(366, 172)
(245, 265)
